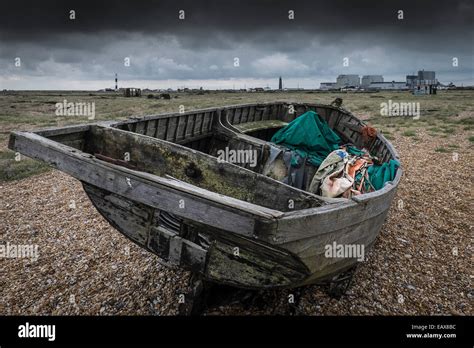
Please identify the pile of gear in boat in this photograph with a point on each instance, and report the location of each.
(309, 155)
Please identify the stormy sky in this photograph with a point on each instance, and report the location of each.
(57, 52)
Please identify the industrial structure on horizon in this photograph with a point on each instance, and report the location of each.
(423, 83)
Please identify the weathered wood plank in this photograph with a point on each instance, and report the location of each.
(121, 213)
(161, 128)
(312, 250)
(151, 128)
(202, 206)
(178, 251)
(140, 127)
(54, 131)
(198, 124)
(313, 222)
(259, 125)
(253, 265)
(172, 129)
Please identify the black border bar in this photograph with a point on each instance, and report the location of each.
(241, 330)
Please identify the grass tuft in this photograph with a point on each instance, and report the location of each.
(409, 133)
(10, 169)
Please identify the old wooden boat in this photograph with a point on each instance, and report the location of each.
(157, 180)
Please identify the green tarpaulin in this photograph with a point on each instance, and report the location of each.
(379, 175)
(309, 136)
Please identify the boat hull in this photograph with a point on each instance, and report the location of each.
(225, 258)
(230, 224)
(293, 258)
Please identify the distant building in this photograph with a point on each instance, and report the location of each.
(423, 83)
(327, 86)
(349, 88)
(132, 92)
(388, 86)
(368, 79)
(347, 81)
(424, 89)
(411, 80)
(426, 83)
(426, 75)
(280, 84)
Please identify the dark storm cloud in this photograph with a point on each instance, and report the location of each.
(204, 45)
(20, 20)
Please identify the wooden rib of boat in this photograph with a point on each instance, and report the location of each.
(227, 223)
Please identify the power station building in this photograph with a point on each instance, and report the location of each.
(394, 85)
(411, 81)
(423, 83)
(427, 77)
(368, 79)
(347, 81)
(327, 86)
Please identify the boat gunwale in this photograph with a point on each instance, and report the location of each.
(268, 213)
(244, 206)
(133, 119)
